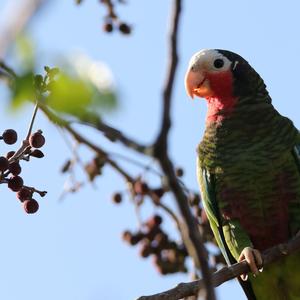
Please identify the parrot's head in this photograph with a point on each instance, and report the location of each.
(221, 74)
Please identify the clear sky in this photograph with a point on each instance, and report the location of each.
(72, 250)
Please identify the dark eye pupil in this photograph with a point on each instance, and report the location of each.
(219, 63)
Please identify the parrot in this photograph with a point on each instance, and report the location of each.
(248, 170)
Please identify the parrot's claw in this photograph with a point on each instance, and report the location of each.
(254, 260)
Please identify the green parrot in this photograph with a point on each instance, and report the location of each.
(248, 170)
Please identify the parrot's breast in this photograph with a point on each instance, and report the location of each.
(257, 179)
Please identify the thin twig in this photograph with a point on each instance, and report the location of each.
(269, 256)
(36, 107)
(25, 143)
(114, 134)
(7, 71)
(135, 162)
(34, 190)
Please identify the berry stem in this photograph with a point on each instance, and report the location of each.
(36, 107)
(34, 190)
(25, 143)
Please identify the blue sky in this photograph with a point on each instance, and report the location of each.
(72, 250)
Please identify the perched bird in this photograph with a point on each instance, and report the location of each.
(248, 169)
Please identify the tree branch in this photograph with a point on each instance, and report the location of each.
(269, 256)
(114, 134)
(169, 83)
(189, 228)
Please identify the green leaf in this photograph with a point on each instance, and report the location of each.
(69, 95)
(23, 90)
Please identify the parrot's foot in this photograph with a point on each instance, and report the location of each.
(254, 260)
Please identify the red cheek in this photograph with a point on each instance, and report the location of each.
(221, 84)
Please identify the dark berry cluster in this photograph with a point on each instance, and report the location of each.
(109, 26)
(168, 256)
(140, 189)
(112, 21)
(10, 168)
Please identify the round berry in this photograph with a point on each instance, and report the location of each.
(145, 251)
(24, 194)
(3, 163)
(10, 154)
(154, 221)
(31, 206)
(117, 198)
(194, 200)
(179, 172)
(159, 192)
(37, 153)
(126, 236)
(9, 136)
(125, 28)
(15, 183)
(15, 168)
(37, 140)
(140, 187)
(108, 27)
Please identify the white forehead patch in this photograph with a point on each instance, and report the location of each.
(207, 57)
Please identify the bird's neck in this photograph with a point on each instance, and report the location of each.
(219, 109)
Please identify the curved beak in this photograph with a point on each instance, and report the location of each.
(191, 82)
(196, 84)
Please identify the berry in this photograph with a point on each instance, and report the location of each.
(194, 200)
(9, 136)
(159, 192)
(134, 240)
(108, 27)
(198, 211)
(179, 172)
(161, 240)
(24, 194)
(15, 168)
(15, 183)
(37, 153)
(117, 198)
(140, 187)
(155, 221)
(10, 154)
(126, 236)
(145, 251)
(31, 206)
(36, 140)
(3, 163)
(124, 28)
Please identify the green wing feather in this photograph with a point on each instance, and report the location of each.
(230, 236)
(208, 193)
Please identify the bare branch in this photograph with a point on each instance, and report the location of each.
(114, 134)
(183, 290)
(191, 235)
(168, 88)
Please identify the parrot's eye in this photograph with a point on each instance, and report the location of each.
(218, 63)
